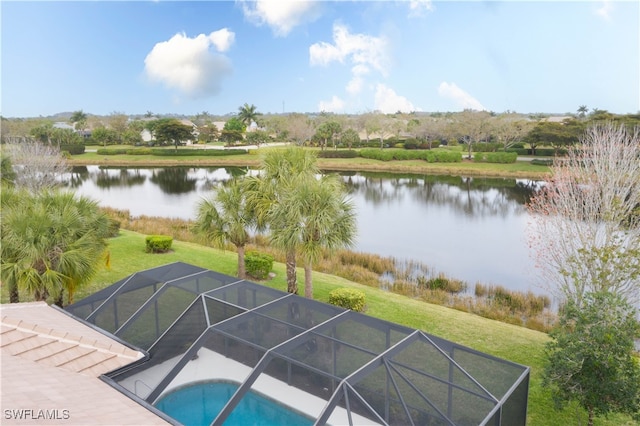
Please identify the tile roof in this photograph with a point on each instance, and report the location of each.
(50, 366)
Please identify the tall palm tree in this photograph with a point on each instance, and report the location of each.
(314, 216)
(52, 243)
(248, 113)
(226, 217)
(282, 171)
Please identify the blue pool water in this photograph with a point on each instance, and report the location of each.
(200, 403)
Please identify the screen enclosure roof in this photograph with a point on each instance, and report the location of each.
(198, 325)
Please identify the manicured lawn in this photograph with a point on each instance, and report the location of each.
(514, 343)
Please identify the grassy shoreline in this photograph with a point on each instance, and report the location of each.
(520, 169)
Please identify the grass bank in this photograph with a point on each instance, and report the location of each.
(507, 341)
(520, 169)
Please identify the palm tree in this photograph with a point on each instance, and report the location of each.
(248, 113)
(52, 243)
(226, 218)
(314, 216)
(79, 120)
(282, 171)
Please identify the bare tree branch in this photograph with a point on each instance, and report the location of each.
(38, 166)
(586, 220)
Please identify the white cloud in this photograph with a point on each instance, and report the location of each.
(334, 105)
(461, 98)
(604, 11)
(360, 49)
(188, 64)
(357, 82)
(419, 7)
(281, 15)
(222, 39)
(388, 101)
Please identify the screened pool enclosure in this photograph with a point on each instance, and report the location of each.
(333, 366)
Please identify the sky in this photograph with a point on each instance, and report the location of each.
(346, 57)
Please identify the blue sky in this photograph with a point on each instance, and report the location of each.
(294, 56)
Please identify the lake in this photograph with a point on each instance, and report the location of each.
(473, 229)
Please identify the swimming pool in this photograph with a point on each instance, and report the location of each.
(200, 403)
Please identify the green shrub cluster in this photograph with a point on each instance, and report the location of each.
(73, 149)
(112, 151)
(205, 152)
(349, 153)
(543, 152)
(348, 298)
(158, 243)
(486, 147)
(258, 265)
(542, 162)
(429, 156)
(495, 157)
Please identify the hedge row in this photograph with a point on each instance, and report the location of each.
(495, 157)
(190, 152)
(543, 152)
(170, 152)
(403, 154)
(338, 154)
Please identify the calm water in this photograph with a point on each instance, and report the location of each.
(470, 229)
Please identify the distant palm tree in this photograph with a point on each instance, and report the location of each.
(582, 111)
(79, 120)
(226, 218)
(52, 243)
(248, 113)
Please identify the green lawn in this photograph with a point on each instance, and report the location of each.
(514, 343)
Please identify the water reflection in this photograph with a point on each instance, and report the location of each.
(467, 196)
(471, 229)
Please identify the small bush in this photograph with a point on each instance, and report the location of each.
(72, 149)
(258, 264)
(348, 298)
(158, 243)
(542, 162)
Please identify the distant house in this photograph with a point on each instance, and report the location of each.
(66, 126)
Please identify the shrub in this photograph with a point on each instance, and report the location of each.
(338, 154)
(73, 149)
(542, 162)
(348, 298)
(258, 264)
(404, 154)
(158, 243)
(496, 157)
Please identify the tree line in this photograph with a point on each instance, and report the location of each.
(249, 126)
